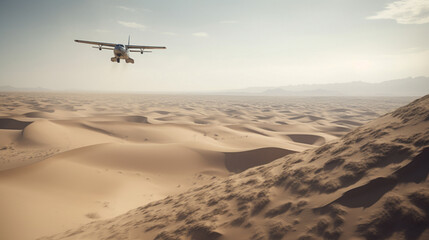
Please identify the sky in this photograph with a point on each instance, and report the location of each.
(212, 45)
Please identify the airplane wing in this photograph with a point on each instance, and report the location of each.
(96, 43)
(143, 47)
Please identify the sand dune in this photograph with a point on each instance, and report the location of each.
(70, 159)
(372, 184)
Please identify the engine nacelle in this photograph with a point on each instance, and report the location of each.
(141, 51)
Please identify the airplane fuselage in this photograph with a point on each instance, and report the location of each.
(120, 51)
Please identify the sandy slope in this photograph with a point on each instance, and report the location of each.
(68, 159)
(372, 184)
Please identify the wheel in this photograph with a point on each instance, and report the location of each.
(117, 60)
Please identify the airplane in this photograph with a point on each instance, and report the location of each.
(120, 51)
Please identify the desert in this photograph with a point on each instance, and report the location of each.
(214, 120)
(142, 166)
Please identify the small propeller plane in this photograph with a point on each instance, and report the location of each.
(120, 50)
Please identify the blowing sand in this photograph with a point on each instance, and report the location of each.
(176, 167)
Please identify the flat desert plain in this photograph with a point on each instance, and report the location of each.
(136, 166)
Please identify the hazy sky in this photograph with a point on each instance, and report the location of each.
(212, 45)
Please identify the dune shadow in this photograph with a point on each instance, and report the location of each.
(307, 139)
(136, 119)
(239, 161)
(10, 123)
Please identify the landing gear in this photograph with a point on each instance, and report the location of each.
(117, 60)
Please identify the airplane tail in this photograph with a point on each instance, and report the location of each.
(128, 40)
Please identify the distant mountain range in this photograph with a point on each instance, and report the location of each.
(417, 86)
(14, 89)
